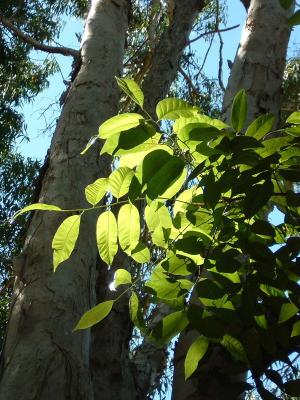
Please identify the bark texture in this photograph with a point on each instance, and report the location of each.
(42, 358)
(258, 68)
(260, 59)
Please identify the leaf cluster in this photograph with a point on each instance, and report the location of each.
(203, 192)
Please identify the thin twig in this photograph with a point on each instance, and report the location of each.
(214, 31)
(65, 51)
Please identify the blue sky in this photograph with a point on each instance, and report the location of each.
(37, 118)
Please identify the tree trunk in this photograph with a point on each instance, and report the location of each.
(43, 358)
(260, 59)
(258, 68)
(114, 375)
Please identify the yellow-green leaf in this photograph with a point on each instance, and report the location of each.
(128, 226)
(194, 355)
(172, 108)
(95, 315)
(132, 89)
(64, 240)
(119, 181)
(106, 234)
(37, 206)
(239, 111)
(122, 277)
(96, 191)
(119, 123)
(140, 253)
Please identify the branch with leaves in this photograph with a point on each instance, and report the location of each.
(65, 51)
(206, 192)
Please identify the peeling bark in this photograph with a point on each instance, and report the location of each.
(43, 358)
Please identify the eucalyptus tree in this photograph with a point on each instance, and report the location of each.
(37, 347)
(42, 356)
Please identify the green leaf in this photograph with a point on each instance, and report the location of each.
(294, 19)
(256, 197)
(132, 89)
(106, 235)
(294, 118)
(119, 123)
(122, 277)
(119, 181)
(135, 312)
(296, 329)
(172, 108)
(293, 131)
(128, 226)
(36, 206)
(95, 315)
(287, 311)
(234, 347)
(290, 174)
(168, 180)
(140, 253)
(261, 126)
(169, 327)
(177, 265)
(96, 191)
(64, 240)
(194, 355)
(157, 214)
(239, 111)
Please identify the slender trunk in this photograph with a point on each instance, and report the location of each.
(115, 376)
(258, 68)
(43, 358)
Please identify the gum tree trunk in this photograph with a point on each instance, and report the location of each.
(258, 68)
(43, 359)
(260, 59)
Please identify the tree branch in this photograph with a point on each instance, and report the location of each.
(214, 31)
(65, 51)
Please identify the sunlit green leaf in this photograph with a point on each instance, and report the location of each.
(128, 226)
(239, 111)
(135, 312)
(36, 206)
(169, 327)
(261, 126)
(195, 353)
(172, 108)
(157, 214)
(132, 89)
(119, 181)
(119, 123)
(96, 191)
(294, 118)
(140, 253)
(106, 235)
(95, 315)
(64, 240)
(122, 277)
